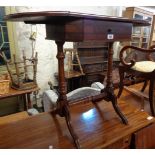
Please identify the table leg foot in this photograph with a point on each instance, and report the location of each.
(117, 109)
(71, 130)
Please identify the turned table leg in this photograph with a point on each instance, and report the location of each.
(109, 87)
(62, 104)
(25, 102)
(29, 103)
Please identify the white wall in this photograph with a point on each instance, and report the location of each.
(47, 64)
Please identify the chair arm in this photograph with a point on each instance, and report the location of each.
(149, 55)
(132, 62)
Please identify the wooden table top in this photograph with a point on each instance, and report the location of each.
(95, 128)
(13, 92)
(43, 17)
(13, 117)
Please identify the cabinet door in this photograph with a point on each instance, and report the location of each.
(136, 40)
(153, 31)
(145, 41)
(144, 138)
(141, 35)
(137, 31)
(146, 33)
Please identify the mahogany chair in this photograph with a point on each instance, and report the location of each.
(143, 69)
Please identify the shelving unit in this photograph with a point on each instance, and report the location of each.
(141, 36)
(93, 57)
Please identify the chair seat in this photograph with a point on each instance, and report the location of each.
(144, 66)
(144, 70)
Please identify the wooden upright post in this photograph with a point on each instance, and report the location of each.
(61, 75)
(109, 87)
(62, 104)
(110, 65)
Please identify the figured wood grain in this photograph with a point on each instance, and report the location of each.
(106, 129)
(13, 117)
(95, 128)
(145, 138)
(39, 131)
(58, 17)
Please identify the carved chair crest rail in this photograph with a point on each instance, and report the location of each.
(144, 69)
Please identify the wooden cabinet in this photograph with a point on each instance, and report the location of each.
(140, 35)
(144, 138)
(153, 32)
(93, 57)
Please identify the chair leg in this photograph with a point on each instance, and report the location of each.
(144, 86)
(151, 97)
(121, 83)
